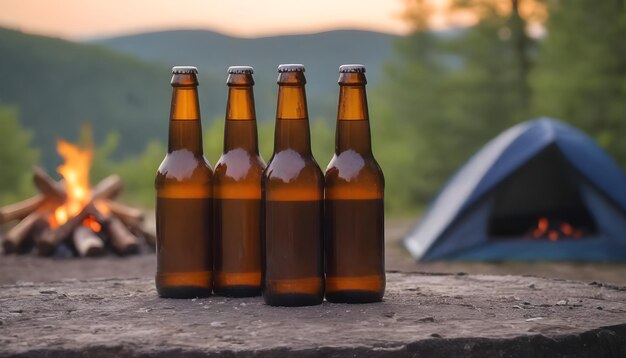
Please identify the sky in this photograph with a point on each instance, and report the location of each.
(86, 19)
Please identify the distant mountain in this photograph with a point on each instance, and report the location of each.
(122, 84)
(57, 85)
(321, 53)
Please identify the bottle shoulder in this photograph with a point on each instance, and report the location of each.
(351, 176)
(291, 176)
(184, 166)
(239, 164)
(240, 155)
(289, 165)
(351, 166)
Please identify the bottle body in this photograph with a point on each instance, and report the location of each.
(354, 203)
(183, 199)
(293, 192)
(237, 195)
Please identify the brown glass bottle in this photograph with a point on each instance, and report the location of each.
(354, 249)
(293, 192)
(237, 194)
(183, 191)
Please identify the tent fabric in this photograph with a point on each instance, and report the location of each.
(455, 226)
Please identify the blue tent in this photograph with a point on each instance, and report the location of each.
(539, 168)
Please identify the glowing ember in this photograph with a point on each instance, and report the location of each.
(92, 223)
(554, 230)
(567, 229)
(542, 227)
(75, 172)
(553, 235)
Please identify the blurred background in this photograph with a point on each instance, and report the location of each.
(445, 76)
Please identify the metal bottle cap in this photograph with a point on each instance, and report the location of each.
(179, 70)
(352, 68)
(291, 67)
(248, 70)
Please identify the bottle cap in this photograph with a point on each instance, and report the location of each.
(352, 68)
(232, 70)
(291, 67)
(178, 70)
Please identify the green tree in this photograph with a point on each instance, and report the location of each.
(581, 74)
(213, 140)
(137, 171)
(448, 93)
(103, 164)
(17, 156)
(404, 114)
(322, 141)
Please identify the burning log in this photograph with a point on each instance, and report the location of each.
(42, 227)
(131, 217)
(48, 186)
(122, 240)
(52, 192)
(31, 224)
(16, 236)
(48, 242)
(149, 234)
(87, 242)
(22, 209)
(70, 210)
(108, 188)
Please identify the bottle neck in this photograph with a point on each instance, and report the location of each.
(240, 105)
(292, 120)
(185, 128)
(353, 129)
(240, 130)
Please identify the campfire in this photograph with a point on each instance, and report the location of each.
(71, 212)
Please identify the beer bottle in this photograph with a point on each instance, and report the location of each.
(237, 193)
(293, 192)
(183, 191)
(355, 267)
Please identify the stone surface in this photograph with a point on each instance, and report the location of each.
(422, 315)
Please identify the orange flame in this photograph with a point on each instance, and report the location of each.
(75, 172)
(102, 207)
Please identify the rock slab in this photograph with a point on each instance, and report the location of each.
(423, 315)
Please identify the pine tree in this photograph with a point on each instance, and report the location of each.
(581, 74)
(448, 93)
(17, 157)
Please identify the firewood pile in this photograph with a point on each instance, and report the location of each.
(50, 219)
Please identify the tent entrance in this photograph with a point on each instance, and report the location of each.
(541, 200)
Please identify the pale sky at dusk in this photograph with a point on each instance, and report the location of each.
(80, 19)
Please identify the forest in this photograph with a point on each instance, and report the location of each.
(438, 100)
